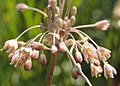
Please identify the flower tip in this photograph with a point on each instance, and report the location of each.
(21, 6)
(103, 25)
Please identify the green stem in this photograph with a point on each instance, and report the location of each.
(51, 69)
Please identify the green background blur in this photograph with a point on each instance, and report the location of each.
(13, 22)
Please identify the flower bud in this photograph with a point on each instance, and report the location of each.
(54, 49)
(73, 11)
(21, 6)
(74, 73)
(60, 22)
(49, 11)
(43, 59)
(35, 54)
(28, 65)
(78, 57)
(38, 46)
(65, 25)
(62, 46)
(72, 20)
(57, 10)
(54, 4)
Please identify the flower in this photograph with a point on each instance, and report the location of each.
(89, 52)
(10, 45)
(35, 54)
(95, 70)
(109, 71)
(102, 25)
(28, 65)
(103, 53)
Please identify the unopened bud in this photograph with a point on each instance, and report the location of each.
(73, 11)
(38, 46)
(62, 46)
(72, 20)
(43, 59)
(49, 11)
(54, 3)
(57, 10)
(60, 22)
(74, 73)
(21, 6)
(35, 54)
(28, 65)
(54, 49)
(65, 25)
(78, 57)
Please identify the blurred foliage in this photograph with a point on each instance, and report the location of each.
(12, 23)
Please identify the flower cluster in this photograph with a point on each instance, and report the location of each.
(59, 38)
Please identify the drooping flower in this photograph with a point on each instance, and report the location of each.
(28, 65)
(109, 71)
(10, 46)
(95, 70)
(103, 53)
(89, 52)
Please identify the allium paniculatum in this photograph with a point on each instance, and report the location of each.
(59, 38)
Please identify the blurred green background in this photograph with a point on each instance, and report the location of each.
(13, 22)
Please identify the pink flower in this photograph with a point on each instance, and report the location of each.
(103, 53)
(35, 54)
(109, 71)
(102, 25)
(95, 70)
(25, 52)
(28, 65)
(89, 52)
(10, 45)
(62, 47)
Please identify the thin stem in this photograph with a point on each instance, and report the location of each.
(27, 30)
(71, 58)
(89, 38)
(51, 69)
(84, 26)
(34, 38)
(38, 10)
(68, 8)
